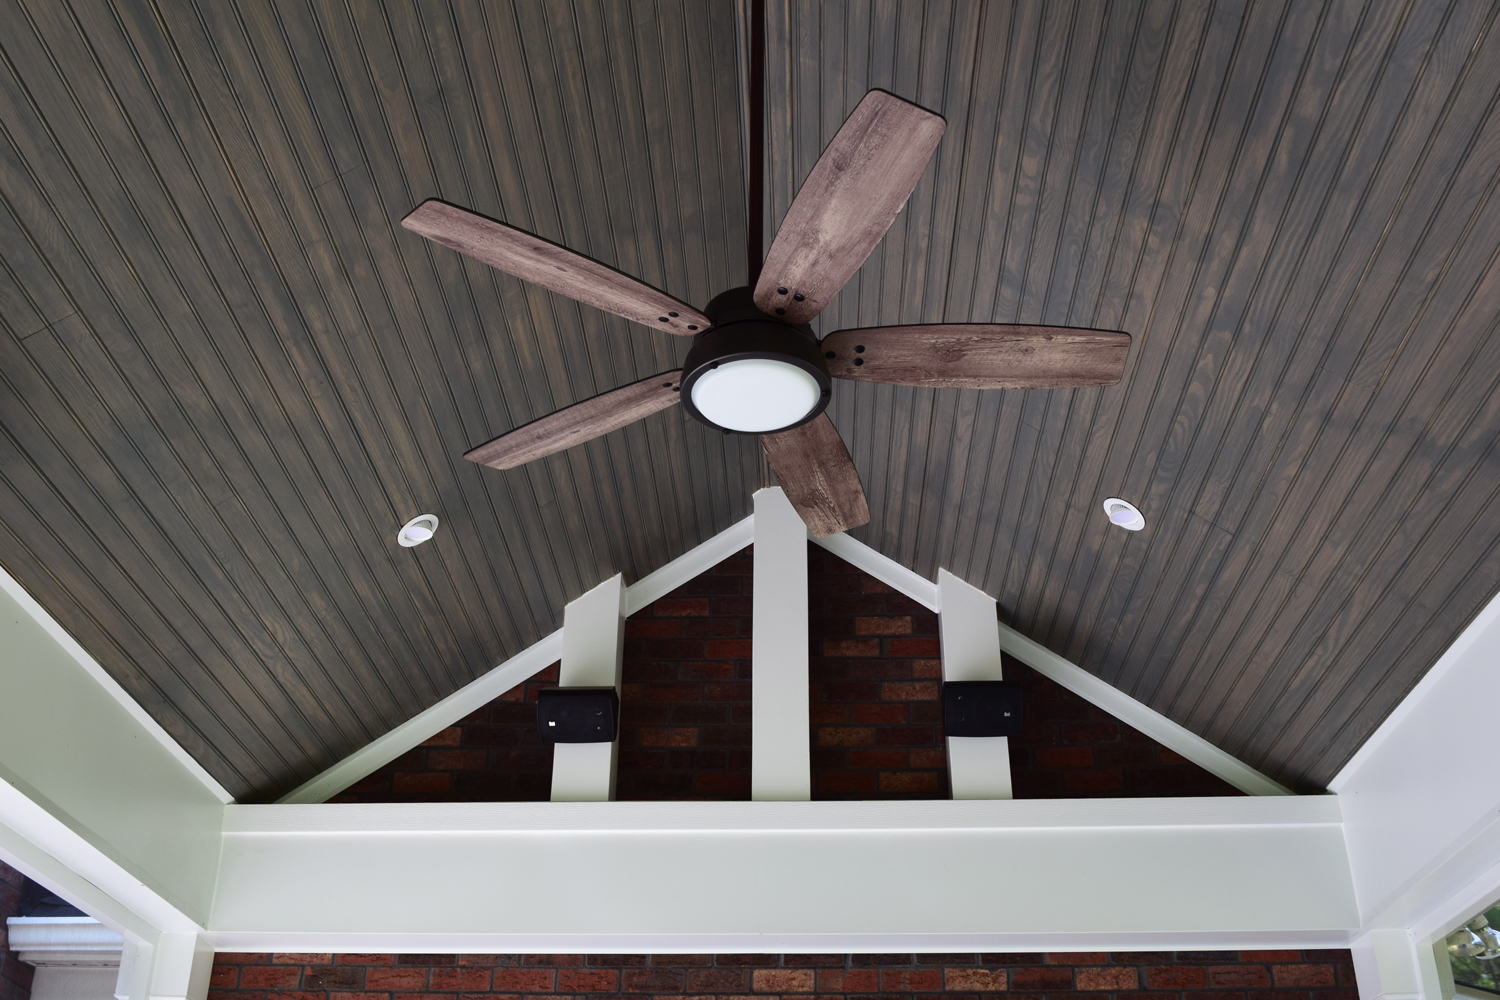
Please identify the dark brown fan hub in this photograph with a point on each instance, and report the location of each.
(752, 374)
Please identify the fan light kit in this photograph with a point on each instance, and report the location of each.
(755, 366)
(418, 530)
(1123, 513)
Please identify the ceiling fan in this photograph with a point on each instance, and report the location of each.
(755, 366)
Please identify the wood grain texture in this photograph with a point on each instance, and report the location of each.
(583, 421)
(555, 268)
(1285, 206)
(846, 205)
(978, 356)
(815, 470)
(227, 374)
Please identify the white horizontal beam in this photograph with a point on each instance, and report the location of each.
(653, 876)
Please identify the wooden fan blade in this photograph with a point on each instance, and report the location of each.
(583, 421)
(553, 267)
(978, 356)
(818, 475)
(846, 204)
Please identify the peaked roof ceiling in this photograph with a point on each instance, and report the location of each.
(228, 376)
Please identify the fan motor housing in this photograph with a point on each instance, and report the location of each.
(742, 332)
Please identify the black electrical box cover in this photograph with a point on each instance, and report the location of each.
(577, 715)
(981, 708)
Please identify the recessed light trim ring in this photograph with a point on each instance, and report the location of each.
(418, 530)
(1124, 514)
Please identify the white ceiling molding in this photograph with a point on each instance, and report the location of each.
(71, 647)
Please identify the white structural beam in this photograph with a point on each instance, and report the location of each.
(978, 767)
(780, 751)
(673, 876)
(92, 801)
(593, 651)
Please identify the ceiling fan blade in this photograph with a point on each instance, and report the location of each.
(978, 356)
(555, 268)
(846, 204)
(583, 421)
(818, 475)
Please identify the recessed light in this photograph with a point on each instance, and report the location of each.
(418, 530)
(1123, 513)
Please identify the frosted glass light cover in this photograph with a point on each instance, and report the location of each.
(755, 394)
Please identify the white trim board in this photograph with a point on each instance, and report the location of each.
(722, 872)
(491, 685)
(1148, 720)
(710, 553)
(1068, 674)
(60, 635)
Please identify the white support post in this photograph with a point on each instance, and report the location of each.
(1386, 966)
(780, 753)
(978, 767)
(593, 650)
(181, 964)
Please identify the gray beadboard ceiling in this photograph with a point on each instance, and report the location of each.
(228, 375)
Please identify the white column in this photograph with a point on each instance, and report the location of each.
(978, 767)
(1386, 967)
(592, 656)
(780, 751)
(177, 967)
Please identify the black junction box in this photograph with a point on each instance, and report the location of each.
(981, 708)
(577, 715)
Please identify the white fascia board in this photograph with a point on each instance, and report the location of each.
(540, 655)
(70, 647)
(786, 875)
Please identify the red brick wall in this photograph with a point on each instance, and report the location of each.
(15, 975)
(685, 706)
(876, 682)
(1247, 975)
(875, 677)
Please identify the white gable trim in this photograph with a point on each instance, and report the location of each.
(1067, 674)
(536, 657)
(710, 553)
